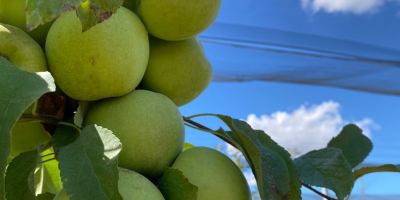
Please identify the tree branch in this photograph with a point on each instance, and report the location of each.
(206, 128)
(41, 118)
(318, 192)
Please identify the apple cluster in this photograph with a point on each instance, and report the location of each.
(135, 69)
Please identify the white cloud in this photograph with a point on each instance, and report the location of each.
(344, 6)
(306, 128)
(251, 180)
(232, 150)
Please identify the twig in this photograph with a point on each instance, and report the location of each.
(206, 128)
(47, 155)
(47, 160)
(41, 118)
(318, 192)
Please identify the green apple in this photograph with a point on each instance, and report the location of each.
(179, 70)
(216, 176)
(150, 128)
(108, 60)
(178, 19)
(13, 12)
(134, 186)
(25, 136)
(21, 50)
(131, 186)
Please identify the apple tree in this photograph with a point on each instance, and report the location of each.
(89, 109)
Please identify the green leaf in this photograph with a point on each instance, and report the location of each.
(383, 168)
(47, 178)
(271, 164)
(19, 90)
(354, 145)
(90, 12)
(89, 165)
(294, 183)
(46, 196)
(96, 11)
(64, 135)
(187, 146)
(326, 168)
(175, 186)
(20, 176)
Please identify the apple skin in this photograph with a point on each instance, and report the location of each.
(149, 126)
(16, 9)
(178, 19)
(108, 60)
(216, 176)
(180, 70)
(134, 186)
(131, 185)
(21, 50)
(25, 136)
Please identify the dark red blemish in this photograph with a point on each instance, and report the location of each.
(68, 7)
(94, 8)
(104, 16)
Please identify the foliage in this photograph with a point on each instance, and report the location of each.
(20, 89)
(84, 160)
(89, 12)
(174, 185)
(326, 168)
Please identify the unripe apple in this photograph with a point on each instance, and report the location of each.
(108, 60)
(13, 12)
(131, 185)
(23, 52)
(216, 176)
(178, 19)
(149, 126)
(134, 186)
(25, 136)
(180, 70)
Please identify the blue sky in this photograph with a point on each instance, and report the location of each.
(305, 116)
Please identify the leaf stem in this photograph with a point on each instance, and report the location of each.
(47, 155)
(318, 192)
(41, 118)
(206, 128)
(47, 160)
